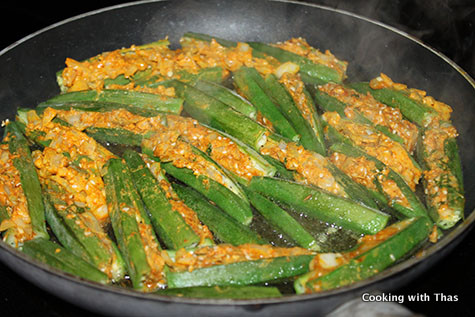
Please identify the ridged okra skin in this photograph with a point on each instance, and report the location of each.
(132, 229)
(236, 206)
(218, 115)
(242, 273)
(403, 237)
(309, 138)
(412, 110)
(437, 148)
(223, 226)
(148, 101)
(227, 96)
(282, 221)
(81, 234)
(55, 255)
(310, 71)
(168, 223)
(23, 162)
(250, 84)
(322, 205)
(412, 208)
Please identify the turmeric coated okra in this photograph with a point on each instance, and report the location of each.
(222, 169)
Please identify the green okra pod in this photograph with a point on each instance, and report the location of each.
(236, 206)
(223, 226)
(411, 109)
(53, 254)
(18, 146)
(127, 97)
(282, 221)
(169, 224)
(409, 234)
(316, 73)
(415, 207)
(227, 96)
(250, 84)
(132, 229)
(81, 234)
(242, 273)
(329, 103)
(278, 93)
(212, 112)
(322, 205)
(225, 292)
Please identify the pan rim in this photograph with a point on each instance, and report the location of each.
(460, 230)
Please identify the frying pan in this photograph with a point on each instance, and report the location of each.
(29, 67)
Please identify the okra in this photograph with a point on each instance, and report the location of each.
(376, 144)
(226, 292)
(223, 226)
(81, 234)
(53, 254)
(236, 206)
(250, 84)
(132, 229)
(169, 224)
(138, 99)
(214, 75)
(415, 207)
(322, 205)
(414, 111)
(355, 191)
(410, 233)
(278, 93)
(280, 170)
(218, 115)
(282, 221)
(18, 146)
(120, 79)
(316, 73)
(443, 181)
(366, 110)
(115, 136)
(208, 38)
(97, 106)
(227, 96)
(241, 273)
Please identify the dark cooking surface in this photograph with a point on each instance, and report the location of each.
(448, 26)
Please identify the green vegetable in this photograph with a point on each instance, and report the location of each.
(218, 115)
(443, 183)
(234, 205)
(168, 223)
(317, 73)
(410, 234)
(241, 273)
(321, 205)
(53, 254)
(250, 84)
(223, 226)
(282, 221)
(81, 234)
(415, 209)
(18, 146)
(329, 103)
(227, 96)
(144, 100)
(279, 94)
(132, 228)
(414, 111)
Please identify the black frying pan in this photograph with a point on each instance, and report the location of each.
(28, 70)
